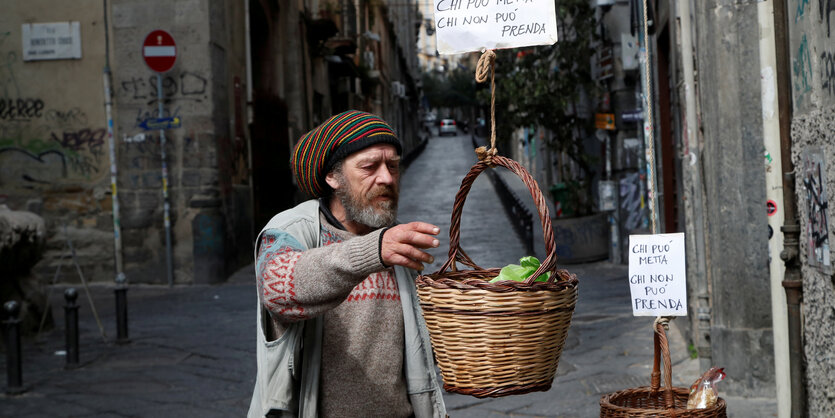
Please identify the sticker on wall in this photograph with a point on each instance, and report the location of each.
(771, 207)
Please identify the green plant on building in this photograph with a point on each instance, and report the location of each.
(544, 86)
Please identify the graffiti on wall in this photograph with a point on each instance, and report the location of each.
(185, 86)
(8, 57)
(69, 117)
(802, 69)
(42, 143)
(817, 204)
(26, 156)
(801, 10)
(633, 206)
(21, 109)
(827, 64)
(826, 7)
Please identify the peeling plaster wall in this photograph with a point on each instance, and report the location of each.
(812, 48)
(816, 129)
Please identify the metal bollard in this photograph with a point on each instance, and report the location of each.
(13, 358)
(71, 321)
(121, 311)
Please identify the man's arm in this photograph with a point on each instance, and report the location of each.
(295, 284)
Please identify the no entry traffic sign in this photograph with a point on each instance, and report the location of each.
(159, 51)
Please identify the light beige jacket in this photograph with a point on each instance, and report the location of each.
(282, 384)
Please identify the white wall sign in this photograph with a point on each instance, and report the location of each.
(51, 41)
(473, 25)
(657, 275)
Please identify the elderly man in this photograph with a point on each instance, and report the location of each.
(340, 332)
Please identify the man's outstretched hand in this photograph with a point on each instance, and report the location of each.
(402, 244)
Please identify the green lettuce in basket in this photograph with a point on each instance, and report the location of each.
(520, 272)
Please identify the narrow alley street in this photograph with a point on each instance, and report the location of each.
(192, 351)
(143, 144)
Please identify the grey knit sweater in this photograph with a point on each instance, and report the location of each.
(344, 280)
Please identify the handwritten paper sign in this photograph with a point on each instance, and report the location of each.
(473, 25)
(657, 276)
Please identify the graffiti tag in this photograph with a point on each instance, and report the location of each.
(801, 9)
(826, 6)
(186, 86)
(21, 109)
(828, 72)
(817, 225)
(85, 139)
(632, 202)
(73, 116)
(803, 68)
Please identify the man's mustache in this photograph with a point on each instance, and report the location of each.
(382, 191)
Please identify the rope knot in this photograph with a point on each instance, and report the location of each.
(485, 64)
(664, 321)
(486, 155)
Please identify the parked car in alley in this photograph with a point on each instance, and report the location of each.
(447, 127)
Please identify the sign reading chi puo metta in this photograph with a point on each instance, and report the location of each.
(657, 277)
(475, 25)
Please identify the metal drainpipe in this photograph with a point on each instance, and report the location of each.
(249, 119)
(111, 142)
(793, 282)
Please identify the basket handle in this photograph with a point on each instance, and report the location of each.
(456, 253)
(662, 349)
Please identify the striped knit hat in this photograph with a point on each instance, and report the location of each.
(320, 149)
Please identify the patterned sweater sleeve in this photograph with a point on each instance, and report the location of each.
(296, 284)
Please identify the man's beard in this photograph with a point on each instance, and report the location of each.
(363, 209)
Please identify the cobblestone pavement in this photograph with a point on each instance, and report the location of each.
(192, 349)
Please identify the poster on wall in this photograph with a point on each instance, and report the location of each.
(817, 204)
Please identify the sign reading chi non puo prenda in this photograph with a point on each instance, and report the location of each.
(657, 277)
(474, 25)
(51, 41)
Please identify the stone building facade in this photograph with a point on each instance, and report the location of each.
(727, 163)
(250, 78)
(812, 54)
(53, 133)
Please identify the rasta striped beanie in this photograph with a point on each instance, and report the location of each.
(320, 149)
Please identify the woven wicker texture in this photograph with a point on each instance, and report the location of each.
(497, 339)
(653, 401)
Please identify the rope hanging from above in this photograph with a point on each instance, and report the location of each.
(650, 143)
(487, 65)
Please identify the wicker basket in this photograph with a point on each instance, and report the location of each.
(652, 401)
(497, 339)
